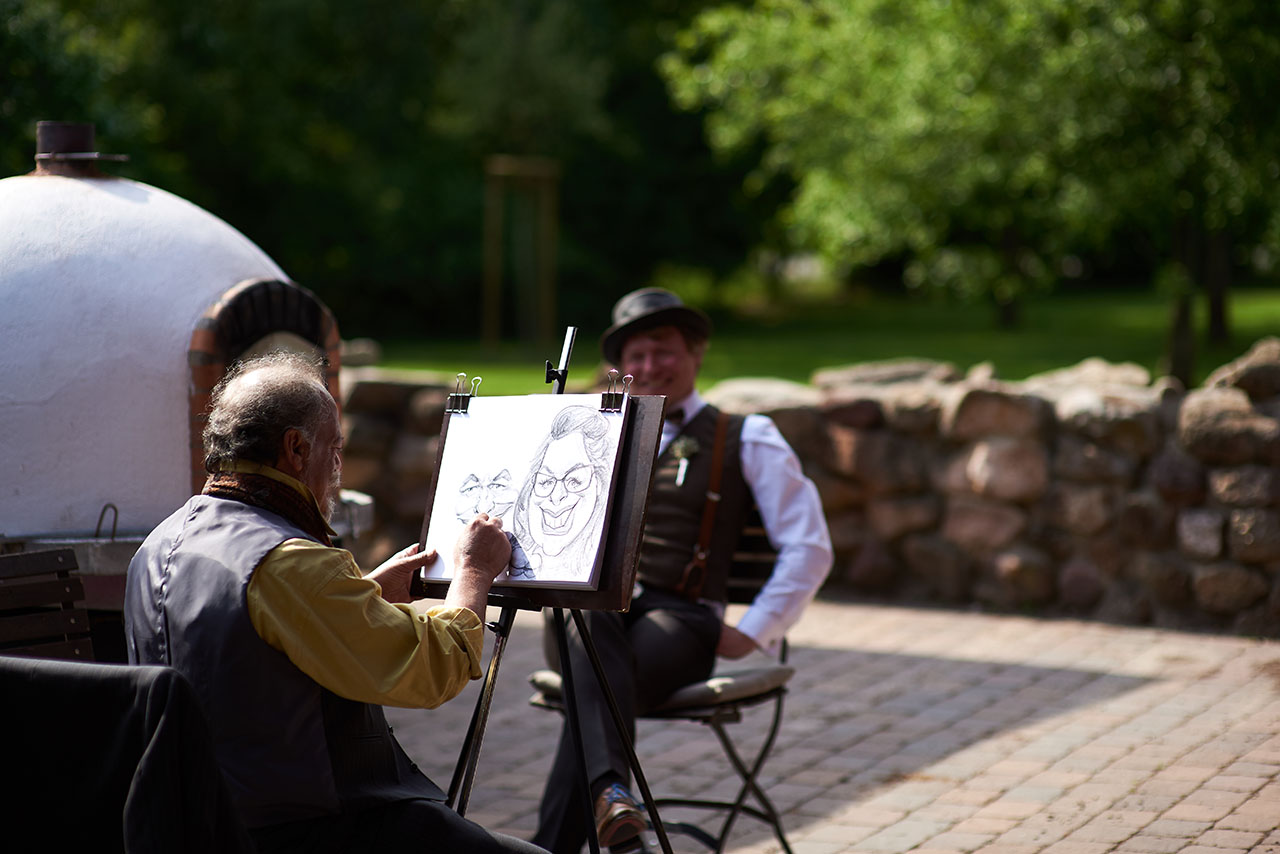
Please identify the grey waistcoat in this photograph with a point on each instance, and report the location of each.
(289, 748)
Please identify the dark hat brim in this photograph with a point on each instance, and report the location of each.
(682, 316)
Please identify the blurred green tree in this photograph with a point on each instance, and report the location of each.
(348, 139)
(986, 143)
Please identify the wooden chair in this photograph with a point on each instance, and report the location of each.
(718, 702)
(41, 612)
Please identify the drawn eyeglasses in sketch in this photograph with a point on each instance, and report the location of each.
(559, 513)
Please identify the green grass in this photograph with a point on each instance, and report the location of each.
(793, 342)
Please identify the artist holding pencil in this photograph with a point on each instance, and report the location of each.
(291, 649)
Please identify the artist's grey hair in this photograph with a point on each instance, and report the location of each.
(247, 421)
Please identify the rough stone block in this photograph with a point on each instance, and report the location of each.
(1245, 486)
(1076, 458)
(1165, 576)
(1219, 426)
(971, 412)
(944, 569)
(848, 529)
(1123, 418)
(853, 407)
(981, 526)
(891, 517)
(1200, 533)
(873, 568)
(1227, 588)
(1177, 476)
(1144, 520)
(914, 409)
(1080, 508)
(837, 493)
(1008, 469)
(1253, 535)
(1256, 373)
(1026, 572)
(1080, 582)
(886, 463)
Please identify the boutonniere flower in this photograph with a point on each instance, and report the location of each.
(682, 449)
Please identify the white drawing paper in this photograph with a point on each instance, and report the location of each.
(543, 463)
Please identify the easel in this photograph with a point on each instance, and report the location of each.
(614, 593)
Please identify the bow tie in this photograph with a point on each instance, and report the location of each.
(675, 416)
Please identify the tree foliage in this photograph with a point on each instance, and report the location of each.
(986, 142)
(348, 139)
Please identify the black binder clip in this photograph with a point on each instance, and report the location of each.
(613, 400)
(460, 400)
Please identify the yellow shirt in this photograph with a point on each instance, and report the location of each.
(312, 602)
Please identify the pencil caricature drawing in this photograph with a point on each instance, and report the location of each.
(545, 465)
(560, 510)
(493, 492)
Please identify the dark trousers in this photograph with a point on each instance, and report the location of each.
(411, 825)
(663, 643)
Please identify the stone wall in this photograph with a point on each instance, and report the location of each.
(1091, 490)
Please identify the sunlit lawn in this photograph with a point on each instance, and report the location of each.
(1056, 331)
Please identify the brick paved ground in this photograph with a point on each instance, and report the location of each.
(943, 731)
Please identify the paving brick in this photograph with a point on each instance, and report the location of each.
(1229, 838)
(1143, 844)
(947, 732)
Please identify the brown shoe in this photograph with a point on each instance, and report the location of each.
(618, 816)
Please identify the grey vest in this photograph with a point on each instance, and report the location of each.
(289, 748)
(674, 514)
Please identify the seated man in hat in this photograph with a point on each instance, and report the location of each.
(291, 649)
(675, 628)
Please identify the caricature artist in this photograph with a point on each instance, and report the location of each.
(675, 627)
(291, 648)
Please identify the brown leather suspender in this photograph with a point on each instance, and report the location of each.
(695, 573)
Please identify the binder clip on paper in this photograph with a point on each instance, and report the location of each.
(612, 400)
(460, 400)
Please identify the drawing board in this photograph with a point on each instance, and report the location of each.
(487, 460)
(545, 465)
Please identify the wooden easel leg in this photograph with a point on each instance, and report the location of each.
(464, 772)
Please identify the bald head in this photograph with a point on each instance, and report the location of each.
(258, 402)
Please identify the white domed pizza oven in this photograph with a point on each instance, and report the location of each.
(121, 306)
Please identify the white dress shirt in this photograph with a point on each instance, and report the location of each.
(792, 513)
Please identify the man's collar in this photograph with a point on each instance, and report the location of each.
(690, 405)
(249, 467)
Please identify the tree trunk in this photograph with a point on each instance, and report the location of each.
(1217, 284)
(1180, 352)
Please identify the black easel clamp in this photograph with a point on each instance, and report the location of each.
(613, 400)
(460, 400)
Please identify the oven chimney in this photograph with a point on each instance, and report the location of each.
(67, 149)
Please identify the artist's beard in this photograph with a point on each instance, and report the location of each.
(329, 507)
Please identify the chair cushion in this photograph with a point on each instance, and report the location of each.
(723, 687)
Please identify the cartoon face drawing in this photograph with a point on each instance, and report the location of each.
(485, 492)
(562, 502)
(565, 493)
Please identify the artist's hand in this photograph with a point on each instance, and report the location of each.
(480, 553)
(482, 546)
(395, 575)
(734, 644)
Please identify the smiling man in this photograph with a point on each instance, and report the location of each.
(675, 627)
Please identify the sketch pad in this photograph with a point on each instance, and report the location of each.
(547, 466)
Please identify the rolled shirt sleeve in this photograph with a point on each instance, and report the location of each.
(313, 603)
